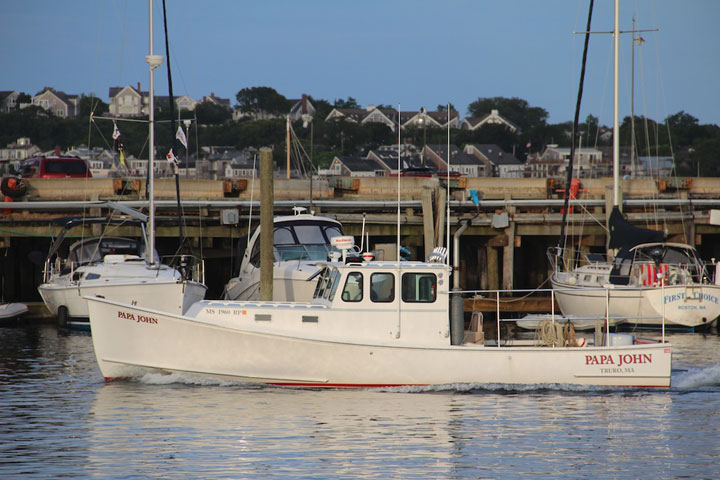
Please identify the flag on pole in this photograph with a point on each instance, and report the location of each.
(121, 151)
(116, 132)
(180, 135)
(173, 161)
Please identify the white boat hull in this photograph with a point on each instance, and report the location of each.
(682, 305)
(11, 311)
(290, 283)
(171, 296)
(131, 341)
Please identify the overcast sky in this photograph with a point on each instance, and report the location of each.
(411, 53)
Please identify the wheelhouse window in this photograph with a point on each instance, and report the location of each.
(382, 287)
(353, 290)
(419, 287)
(327, 284)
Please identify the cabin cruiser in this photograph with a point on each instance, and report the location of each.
(300, 241)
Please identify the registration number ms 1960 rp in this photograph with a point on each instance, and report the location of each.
(137, 318)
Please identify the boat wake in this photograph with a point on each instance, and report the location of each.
(698, 377)
(184, 379)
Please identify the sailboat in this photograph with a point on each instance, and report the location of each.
(121, 268)
(648, 281)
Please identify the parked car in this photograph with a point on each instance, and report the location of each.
(54, 167)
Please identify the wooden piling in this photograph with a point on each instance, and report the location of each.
(266, 224)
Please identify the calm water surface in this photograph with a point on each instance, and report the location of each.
(59, 419)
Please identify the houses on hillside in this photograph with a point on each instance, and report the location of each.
(129, 101)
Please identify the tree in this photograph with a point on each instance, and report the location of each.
(322, 107)
(514, 109)
(91, 104)
(349, 103)
(444, 108)
(257, 100)
(684, 128)
(209, 113)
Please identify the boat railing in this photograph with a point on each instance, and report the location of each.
(191, 268)
(500, 302)
(566, 259)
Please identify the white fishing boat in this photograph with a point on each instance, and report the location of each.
(643, 279)
(356, 332)
(122, 268)
(300, 243)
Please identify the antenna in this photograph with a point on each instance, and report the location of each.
(447, 186)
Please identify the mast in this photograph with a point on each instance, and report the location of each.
(153, 62)
(616, 122)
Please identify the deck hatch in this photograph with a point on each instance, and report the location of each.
(310, 319)
(263, 317)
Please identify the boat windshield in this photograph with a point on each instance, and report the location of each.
(304, 241)
(92, 251)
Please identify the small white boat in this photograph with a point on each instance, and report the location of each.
(300, 242)
(532, 321)
(114, 267)
(12, 311)
(369, 324)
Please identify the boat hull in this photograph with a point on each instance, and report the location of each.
(171, 296)
(131, 341)
(682, 305)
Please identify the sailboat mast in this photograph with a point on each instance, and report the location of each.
(616, 121)
(153, 62)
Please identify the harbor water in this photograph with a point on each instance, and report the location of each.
(60, 419)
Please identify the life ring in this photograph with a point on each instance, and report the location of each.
(13, 187)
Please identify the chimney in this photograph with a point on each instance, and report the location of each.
(138, 89)
(212, 94)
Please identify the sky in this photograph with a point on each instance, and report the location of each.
(406, 53)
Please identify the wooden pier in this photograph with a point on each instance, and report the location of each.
(504, 246)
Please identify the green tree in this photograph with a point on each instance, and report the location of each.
(514, 109)
(256, 100)
(209, 113)
(91, 104)
(349, 103)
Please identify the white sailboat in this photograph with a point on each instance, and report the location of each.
(121, 268)
(648, 281)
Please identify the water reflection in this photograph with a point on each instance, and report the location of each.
(60, 419)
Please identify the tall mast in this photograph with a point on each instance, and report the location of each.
(153, 62)
(616, 121)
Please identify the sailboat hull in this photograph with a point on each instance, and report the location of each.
(130, 342)
(683, 305)
(171, 296)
